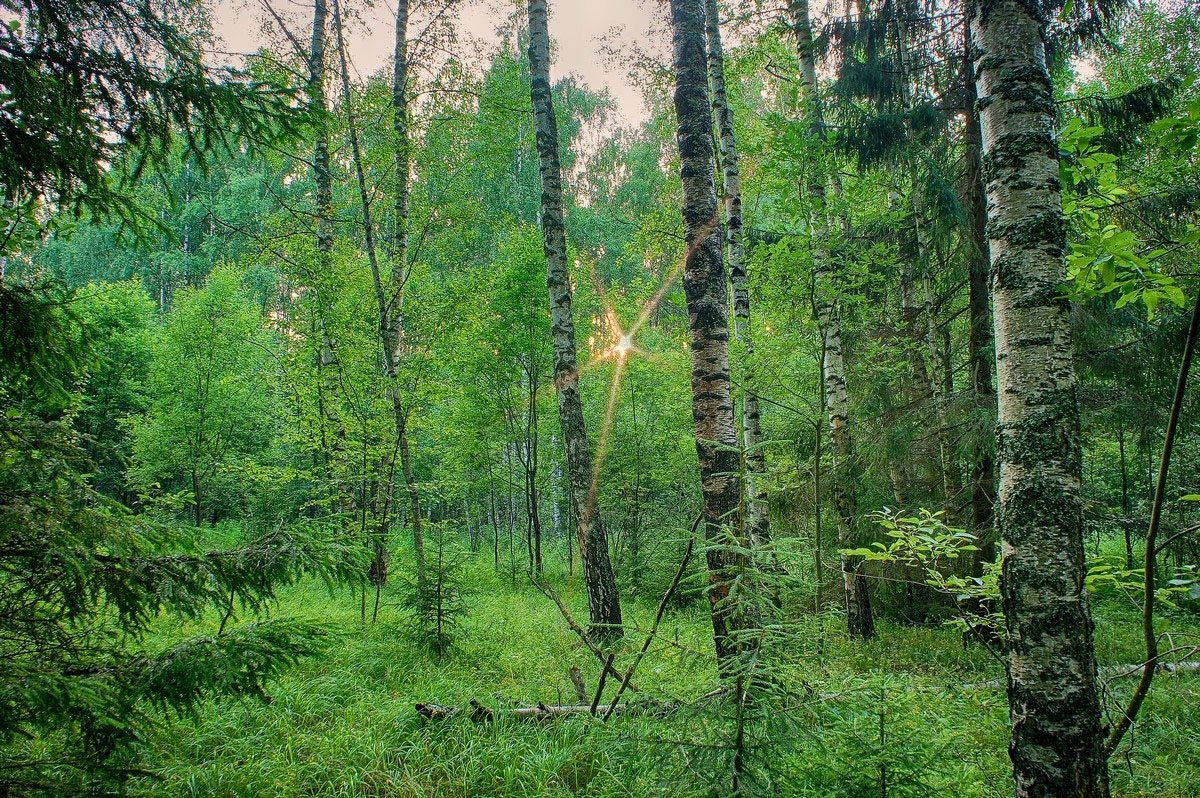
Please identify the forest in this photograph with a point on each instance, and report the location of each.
(448, 430)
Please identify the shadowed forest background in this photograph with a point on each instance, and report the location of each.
(423, 433)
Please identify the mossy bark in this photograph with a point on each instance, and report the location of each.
(1057, 745)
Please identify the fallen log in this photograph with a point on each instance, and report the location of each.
(479, 713)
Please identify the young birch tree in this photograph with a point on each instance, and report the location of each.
(604, 605)
(860, 622)
(394, 338)
(1057, 744)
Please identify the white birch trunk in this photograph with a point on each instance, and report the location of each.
(757, 507)
(1057, 746)
(708, 323)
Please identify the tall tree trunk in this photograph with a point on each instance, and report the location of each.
(860, 621)
(323, 181)
(979, 339)
(925, 363)
(708, 322)
(321, 177)
(394, 337)
(1056, 747)
(757, 507)
(604, 604)
(379, 567)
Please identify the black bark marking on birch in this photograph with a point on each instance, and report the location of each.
(1057, 742)
(327, 363)
(604, 605)
(757, 507)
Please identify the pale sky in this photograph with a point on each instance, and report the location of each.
(575, 25)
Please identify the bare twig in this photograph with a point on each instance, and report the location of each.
(1151, 639)
(658, 614)
(605, 660)
(603, 678)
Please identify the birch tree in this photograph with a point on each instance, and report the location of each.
(708, 320)
(394, 335)
(604, 605)
(859, 619)
(757, 508)
(1057, 744)
(979, 340)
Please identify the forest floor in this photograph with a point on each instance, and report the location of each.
(911, 713)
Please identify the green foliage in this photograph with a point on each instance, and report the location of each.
(1106, 258)
(438, 603)
(924, 543)
(213, 405)
(74, 105)
(81, 583)
(36, 349)
(233, 376)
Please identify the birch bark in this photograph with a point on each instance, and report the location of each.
(394, 336)
(860, 622)
(757, 506)
(979, 341)
(323, 183)
(604, 605)
(1057, 744)
(708, 322)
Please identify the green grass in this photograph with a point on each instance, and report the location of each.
(344, 724)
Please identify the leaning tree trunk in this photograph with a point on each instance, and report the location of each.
(604, 604)
(757, 507)
(860, 622)
(708, 323)
(378, 569)
(1057, 746)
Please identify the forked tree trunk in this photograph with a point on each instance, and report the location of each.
(757, 507)
(708, 322)
(1056, 747)
(604, 605)
(860, 622)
